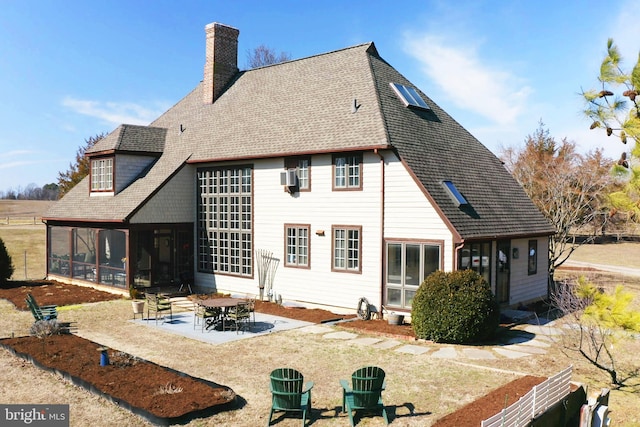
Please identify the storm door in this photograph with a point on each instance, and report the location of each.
(503, 269)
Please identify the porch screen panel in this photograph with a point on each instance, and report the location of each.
(225, 220)
(59, 250)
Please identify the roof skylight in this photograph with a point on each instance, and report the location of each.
(455, 195)
(409, 96)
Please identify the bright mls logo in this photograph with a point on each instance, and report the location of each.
(34, 415)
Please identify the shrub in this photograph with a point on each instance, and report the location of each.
(6, 264)
(456, 307)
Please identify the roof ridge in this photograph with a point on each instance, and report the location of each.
(367, 44)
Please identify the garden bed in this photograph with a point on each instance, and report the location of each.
(159, 394)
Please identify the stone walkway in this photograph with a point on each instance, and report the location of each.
(531, 340)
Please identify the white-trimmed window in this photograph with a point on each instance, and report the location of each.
(102, 174)
(347, 248)
(225, 212)
(347, 172)
(297, 245)
(302, 166)
(408, 264)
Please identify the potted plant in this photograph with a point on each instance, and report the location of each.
(395, 318)
(137, 302)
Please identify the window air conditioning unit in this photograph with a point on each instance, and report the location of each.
(289, 178)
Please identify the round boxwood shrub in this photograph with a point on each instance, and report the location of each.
(455, 307)
(6, 264)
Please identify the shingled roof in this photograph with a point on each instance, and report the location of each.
(131, 138)
(334, 102)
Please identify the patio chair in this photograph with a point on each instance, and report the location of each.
(158, 304)
(202, 315)
(287, 393)
(47, 313)
(44, 312)
(241, 315)
(364, 393)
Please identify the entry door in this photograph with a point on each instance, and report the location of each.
(162, 271)
(503, 269)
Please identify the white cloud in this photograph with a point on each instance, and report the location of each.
(488, 91)
(115, 113)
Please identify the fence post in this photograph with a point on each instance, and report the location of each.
(25, 264)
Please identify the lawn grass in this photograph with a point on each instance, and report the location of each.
(26, 244)
(625, 254)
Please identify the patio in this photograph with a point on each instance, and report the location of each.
(182, 324)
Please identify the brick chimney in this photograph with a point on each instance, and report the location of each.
(221, 62)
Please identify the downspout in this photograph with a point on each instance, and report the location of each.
(455, 254)
(382, 251)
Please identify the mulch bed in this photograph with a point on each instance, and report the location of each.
(159, 394)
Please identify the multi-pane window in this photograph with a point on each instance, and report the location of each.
(297, 245)
(302, 166)
(102, 174)
(347, 171)
(532, 257)
(477, 257)
(347, 248)
(225, 239)
(408, 264)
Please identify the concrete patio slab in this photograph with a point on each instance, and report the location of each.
(182, 324)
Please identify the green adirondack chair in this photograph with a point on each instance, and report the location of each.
(364, 393)
(288, 394)
(44, 312)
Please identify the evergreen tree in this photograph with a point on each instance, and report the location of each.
(6, 264)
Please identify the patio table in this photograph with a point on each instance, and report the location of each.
(222, 303)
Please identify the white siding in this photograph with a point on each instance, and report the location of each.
(408, 216)
(408, 213)
(173, 203)
(525, 287)
(320, 208)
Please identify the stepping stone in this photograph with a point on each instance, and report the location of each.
(316, 329)
(543, 330)
(340, 336)
(412, 349)
(387, 344)
(446, 353)
(477, 353)
(528, 349)
(536, 342)
(510, 354)
(364, 341)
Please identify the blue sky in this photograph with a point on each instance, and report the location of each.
(70, 70)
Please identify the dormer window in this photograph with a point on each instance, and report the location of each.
(102, 174)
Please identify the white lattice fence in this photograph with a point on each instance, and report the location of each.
(534, 403)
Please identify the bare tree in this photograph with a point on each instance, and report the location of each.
(563, 184)
(264, 55)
